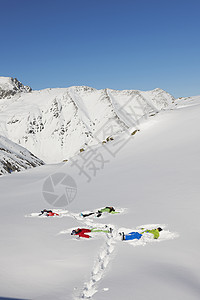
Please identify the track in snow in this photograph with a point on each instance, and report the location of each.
(104, 257)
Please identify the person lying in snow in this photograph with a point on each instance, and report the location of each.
(108, 209)
(48, 213)
(136, 235)
(81, 232)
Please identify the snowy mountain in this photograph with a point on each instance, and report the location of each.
(55, 124)
(10, 86)
(152, 181)
(15, 158)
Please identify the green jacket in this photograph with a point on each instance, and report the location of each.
(107, 209)
(155, 233)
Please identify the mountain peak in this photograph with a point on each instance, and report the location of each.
(10, 86)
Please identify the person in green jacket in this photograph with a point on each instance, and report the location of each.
(137, 235)
(155, 232)
(107, 209)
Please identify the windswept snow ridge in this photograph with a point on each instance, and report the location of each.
(55, 124)
(15, 158)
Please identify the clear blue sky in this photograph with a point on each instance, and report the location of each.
(119, 44)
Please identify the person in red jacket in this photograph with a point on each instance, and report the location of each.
(81, 232)
(48, 213)
(51, 214)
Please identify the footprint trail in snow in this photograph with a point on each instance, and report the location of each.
(104, 257)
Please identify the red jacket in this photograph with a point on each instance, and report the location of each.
(51, 214)
(82, 232)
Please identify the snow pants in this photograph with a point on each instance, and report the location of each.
(133, 236)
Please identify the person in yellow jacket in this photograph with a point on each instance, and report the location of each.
(136, 235)
(107, 209)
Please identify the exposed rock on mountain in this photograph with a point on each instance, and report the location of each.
(15, 158)
(10, 86)
(55, 124)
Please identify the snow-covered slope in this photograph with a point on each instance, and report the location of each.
(55, 124)
(155, 176)
(15, 158)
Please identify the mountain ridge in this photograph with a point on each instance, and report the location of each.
(55, 124)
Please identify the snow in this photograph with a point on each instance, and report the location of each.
(6, 83)
(15, 158)
(54, 124)
(10, 86)
(153, 179)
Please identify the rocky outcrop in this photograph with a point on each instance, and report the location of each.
(10, 86)
(14, 158)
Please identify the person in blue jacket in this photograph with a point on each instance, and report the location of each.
(136, 235)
